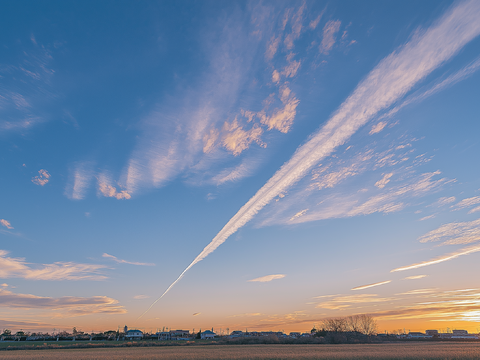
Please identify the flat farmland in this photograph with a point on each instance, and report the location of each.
(420, 350)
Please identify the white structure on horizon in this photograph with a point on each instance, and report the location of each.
(134, 335)
(207, 334)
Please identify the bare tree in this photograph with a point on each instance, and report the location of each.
(335, 324)
(362, 323)
(368, 325)
(353, 323)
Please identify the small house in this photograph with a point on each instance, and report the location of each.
(207, 334)
(134, 335)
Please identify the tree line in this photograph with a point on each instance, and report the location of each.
(363, 323)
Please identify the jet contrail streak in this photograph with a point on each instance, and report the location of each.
(391, 79)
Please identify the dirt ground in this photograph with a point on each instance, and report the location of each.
(418, 350)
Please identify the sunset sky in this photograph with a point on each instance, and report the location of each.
(260, 165)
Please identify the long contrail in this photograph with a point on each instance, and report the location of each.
(391, 79)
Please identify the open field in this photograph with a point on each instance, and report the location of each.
(419, 350)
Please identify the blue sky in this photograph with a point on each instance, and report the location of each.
(270, 160)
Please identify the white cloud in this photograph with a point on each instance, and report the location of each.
(427, 217)
(106, 189)
(79, 181)
(121, 261)
(272, 47)
(42, 178)
(415, 277)
(236, 139)
(371, 285)
(378, 127)
(281, 119)
(384, 181)
(244, 169)
(451, 80)
(329, 32)
(140, 297)
(444, 201)
(347, 301)
(24, 85)
(66, 306)
(298, 214)
(297, 25)
(454, 233)
(467, 203)
(18, 267)
(474, 210)
(314, 23)
(6, 223)
(275, 76)
(440, 259)
(179, 135)
(347, 202)
(390, 80)
(291, 69)
(268, 278)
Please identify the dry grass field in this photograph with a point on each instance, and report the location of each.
(361, 351)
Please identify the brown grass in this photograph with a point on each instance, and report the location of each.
(419, 350)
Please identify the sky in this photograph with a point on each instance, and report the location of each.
(257, 165)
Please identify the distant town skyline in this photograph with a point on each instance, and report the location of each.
(242, 164)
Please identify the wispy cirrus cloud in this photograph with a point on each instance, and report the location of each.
(210, 126)
(140, 297)
(469, 202)
(330, 30)
(106, 189)
(347, 203)
(42, 178)
(415, 277)
(66, 306)
(80, 178)
(387, 83)
(383, 181)
(347, 301)
(314, 23)
(451, 80)
(444, 200)
(15, 324)
(296, 22)
(6, 224)
(121, 261)
(18, 267)
(454, 233)
(26, 87)
(378, 127)
(437, 305)
(362, 287)
(244, 169)
(247, 315)
(268, 278)
(450, 234)
(450, 256)
(426, 217)
(474, 210)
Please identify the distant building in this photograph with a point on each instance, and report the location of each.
(237, 333)
(134, 335)
(462, 334)
(180, 334)
(207, 334)
(417, 335)
(163, 335)
(432, 332)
